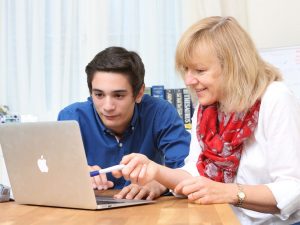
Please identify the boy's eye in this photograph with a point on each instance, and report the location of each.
(98, 94)
(119, 96)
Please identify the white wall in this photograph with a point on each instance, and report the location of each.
(274, 23)
(271, 23)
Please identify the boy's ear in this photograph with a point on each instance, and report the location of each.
(139, 97)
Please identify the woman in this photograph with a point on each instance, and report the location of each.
(246, 129)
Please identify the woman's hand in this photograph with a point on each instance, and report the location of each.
(139, 169)
(205, 191)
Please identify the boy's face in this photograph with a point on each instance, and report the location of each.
(113, 99)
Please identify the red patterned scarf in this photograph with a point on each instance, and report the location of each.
(222, 138)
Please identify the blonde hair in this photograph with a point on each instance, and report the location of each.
(245, 76)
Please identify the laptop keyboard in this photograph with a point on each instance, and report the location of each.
(101, 201)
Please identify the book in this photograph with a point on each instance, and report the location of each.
(169, 96)
(179, 101)
(158, 91)
(147, 91)
(180, 98)
(187, 109)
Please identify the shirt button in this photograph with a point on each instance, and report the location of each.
(120, 145)
(132, 128)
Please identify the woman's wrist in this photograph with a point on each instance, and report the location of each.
(232, 193)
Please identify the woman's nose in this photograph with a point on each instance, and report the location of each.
(189, 78)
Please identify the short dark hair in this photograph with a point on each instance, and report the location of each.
(118, 59)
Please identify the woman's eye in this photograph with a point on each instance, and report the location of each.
(199, 72)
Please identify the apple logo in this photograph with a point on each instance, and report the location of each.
(42, 164)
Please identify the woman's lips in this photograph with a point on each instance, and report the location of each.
(200, 89)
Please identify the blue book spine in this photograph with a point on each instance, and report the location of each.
(158, 91)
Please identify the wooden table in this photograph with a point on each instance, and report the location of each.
(167, 210)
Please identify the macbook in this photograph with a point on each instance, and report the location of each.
(46, 165)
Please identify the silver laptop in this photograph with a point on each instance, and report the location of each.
(46, 165)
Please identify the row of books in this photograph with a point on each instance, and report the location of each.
(178, 97)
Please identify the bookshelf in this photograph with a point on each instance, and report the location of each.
(179, 97)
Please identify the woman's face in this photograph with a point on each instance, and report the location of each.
(204, 75)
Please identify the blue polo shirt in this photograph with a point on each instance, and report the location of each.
(155, 130)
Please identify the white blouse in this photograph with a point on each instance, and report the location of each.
(270, 157)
